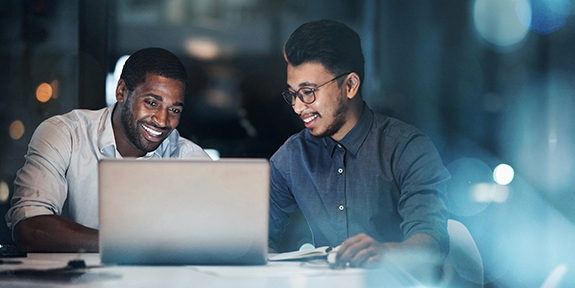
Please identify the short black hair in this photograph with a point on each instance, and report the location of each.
(156, 61)
(328, 42)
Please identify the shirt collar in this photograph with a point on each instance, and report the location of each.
(166, 148)
(106, 142)
(353, 140)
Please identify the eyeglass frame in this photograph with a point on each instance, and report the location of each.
(289, 96)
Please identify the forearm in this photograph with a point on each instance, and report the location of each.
(51, 233)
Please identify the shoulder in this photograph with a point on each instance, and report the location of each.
(75, 119)
(394, 128)
(58, 125)
(296, 142)
(400, 138)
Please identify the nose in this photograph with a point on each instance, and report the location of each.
(298, 105)
(160, 118)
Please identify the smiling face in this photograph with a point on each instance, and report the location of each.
(330, 114)
(147, 115)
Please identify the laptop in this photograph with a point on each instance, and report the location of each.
(183, 212)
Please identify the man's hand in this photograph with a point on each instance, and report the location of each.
(360, 251)
(363, 251)
(419, 255)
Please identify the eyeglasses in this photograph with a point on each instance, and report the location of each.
(306, 94)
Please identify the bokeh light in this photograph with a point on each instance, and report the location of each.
(548, 16)
(16, 129)
(213, 153)
(503, 174)
(44, 92)
(490, 192)
(306, 246)
(113, 78)
(502, 22)
(203, 48)
(4, 192)
(467, 176)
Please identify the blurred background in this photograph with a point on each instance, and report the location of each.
(491, 81)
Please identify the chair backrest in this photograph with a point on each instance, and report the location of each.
(463, 266)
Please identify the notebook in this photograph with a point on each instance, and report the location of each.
(183, 212)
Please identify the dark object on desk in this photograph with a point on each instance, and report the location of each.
(10, 262)
(11, 251)
(74, 269)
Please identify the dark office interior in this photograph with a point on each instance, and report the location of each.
(492, 82)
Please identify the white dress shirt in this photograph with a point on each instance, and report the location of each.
(60, 175)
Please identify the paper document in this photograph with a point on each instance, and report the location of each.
(320, 252)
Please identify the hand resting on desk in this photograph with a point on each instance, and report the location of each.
(419, 255)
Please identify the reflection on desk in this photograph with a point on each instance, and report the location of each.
(290, 274)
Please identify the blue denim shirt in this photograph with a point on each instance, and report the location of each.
(384, 178)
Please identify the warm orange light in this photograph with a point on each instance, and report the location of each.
(16, 129)
(44, 92)
(203, 48)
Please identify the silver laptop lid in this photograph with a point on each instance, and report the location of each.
(183, 211)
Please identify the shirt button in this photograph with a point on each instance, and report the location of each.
(340, 170)
(341, 207)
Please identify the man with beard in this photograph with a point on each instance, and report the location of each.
(55, 202)
(365, 181)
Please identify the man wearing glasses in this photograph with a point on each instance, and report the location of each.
(365, 181)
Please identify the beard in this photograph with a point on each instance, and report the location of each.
(131, 127)
(338, 119)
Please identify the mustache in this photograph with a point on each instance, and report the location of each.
(155, 125)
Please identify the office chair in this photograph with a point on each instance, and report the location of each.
(463, 265)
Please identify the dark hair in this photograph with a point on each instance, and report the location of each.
(330, 43)
(156, 61)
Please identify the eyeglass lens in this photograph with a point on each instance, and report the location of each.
(305, 94)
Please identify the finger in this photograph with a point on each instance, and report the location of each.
(351, 248)
(363, 255)
(347, 249)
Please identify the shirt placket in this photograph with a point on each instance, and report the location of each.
(341, 208)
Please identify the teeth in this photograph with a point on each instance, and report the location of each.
(153, 132)
(308, 119)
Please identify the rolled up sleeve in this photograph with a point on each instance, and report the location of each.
(40, 187)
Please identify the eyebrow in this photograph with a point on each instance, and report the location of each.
(160, 98)
(304, 84)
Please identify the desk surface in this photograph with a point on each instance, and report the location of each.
(274, 274)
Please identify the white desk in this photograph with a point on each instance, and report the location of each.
(274, 274)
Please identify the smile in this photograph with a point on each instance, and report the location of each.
(152, 131)
(309, 119)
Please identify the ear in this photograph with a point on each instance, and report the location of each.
(121, 91)
(351, 84)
